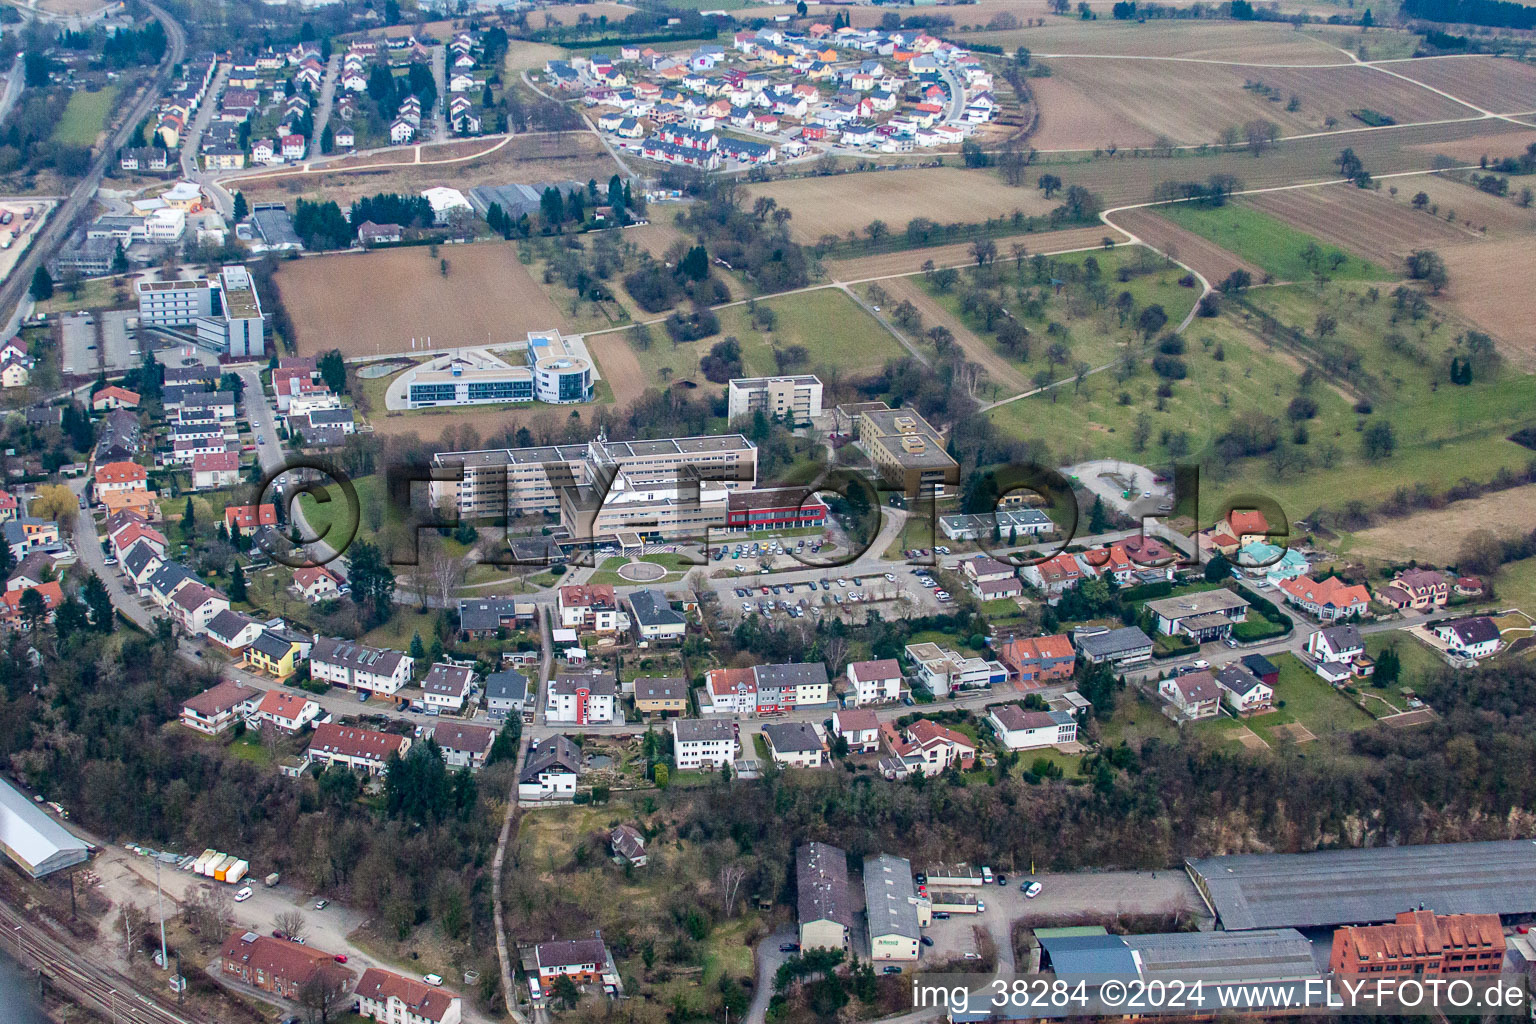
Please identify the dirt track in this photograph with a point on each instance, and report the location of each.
(976, 349)
(1212, 261)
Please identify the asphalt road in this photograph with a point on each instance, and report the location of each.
(200, 121)
(77, 203)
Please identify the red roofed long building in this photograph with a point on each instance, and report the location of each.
(395, 999)
(1421, 943)
(278, 966)
(355, 748)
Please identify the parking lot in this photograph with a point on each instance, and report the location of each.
(92, 341)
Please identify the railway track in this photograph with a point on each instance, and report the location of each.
(90, 985)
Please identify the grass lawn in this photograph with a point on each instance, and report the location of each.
(1136, 720)
(93, 293)
(675, 565)
(249, 747)
(332, 515)
(85, 116)
(404, 624)
(1417, 663)
(1310, 702)
(832, 328)
(1266, 241)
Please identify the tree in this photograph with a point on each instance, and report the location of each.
(33, 608)
(564, 992)
(1152, 320)
(373, 582)
(98, 602)
(1098, 519)
(119, 260)
(325, 993)
(1260, 135)
(242, 210)
(1388, 666)
(56, 502)
(333, 370)
(237, 591)
(661, 776)
(1218, 568)
(695, 265)
(876, 230)
(42, 285)
(291, 923)
(1378, 441)
(1050, 184)
(1426, 265)
(1420, 200)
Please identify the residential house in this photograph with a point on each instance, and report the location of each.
(277, 653)
(1259, 560)
(114, 397)
(355, 666)
(447, 687)
(661, 695)
(1476, 636)
(874, 682)
(210, 472)
(1195, 695)
(794, 744)
(506, 694)
(219, 707)
(1057, 574)
(1243, 692)
(550, 770)
(1329, 600)
(703, 743)
(925, 747)
(280, 967)
(486, 617)
(654, 618)
(589, 607)
(288, 712)
(1018, 729)
(119, 477)
(464, 745)
(316, 583)
(232, 632)
(765, 689)
(11, 608)
(1240, 526)
(371, 234)
(584, 699)
(390, 998)
(584, 961)
(1036, 660)
(195, 605)
(351, 747)
(1416, 590)
(859, 728)
(1202, 616)
(941, 671)
(1121, 647)
(628, 845)
(1335, 644)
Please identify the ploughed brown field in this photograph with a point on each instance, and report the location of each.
(1369, 224)
(376, 302)
(1206, 257)
(1494, 83)
(1493, 284)
(1091, 102)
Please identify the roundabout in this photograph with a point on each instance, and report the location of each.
(642, 572)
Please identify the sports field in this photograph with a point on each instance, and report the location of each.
(375, 303)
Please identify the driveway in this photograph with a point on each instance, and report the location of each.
(768, 960)
(1108, 478)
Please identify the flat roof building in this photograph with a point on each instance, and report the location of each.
(794, 399)
(1336, 887)
(907, 452)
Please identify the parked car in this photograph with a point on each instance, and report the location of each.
(243, 894)
(890, 969)
(322, 904)
(341, 958)
(926, 940)
(432, 979)
(789, 947)
(1031, 889)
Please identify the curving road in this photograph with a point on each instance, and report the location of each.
(78, 201)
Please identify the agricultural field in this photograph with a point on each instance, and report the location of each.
(847, 203)
(1265, 241)
(375, 303)
(958, 254)
(1499, 85)
(1429, 535)
(1205, 257)
(1490, 216)
(85, 116)
(999, 368)
(1237, 42)
(836, 333)
(1508, 139)
(1493, 284)
(1367, 223)
(574, 13)
(1089, 103)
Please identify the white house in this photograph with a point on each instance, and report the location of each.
(1473, 637)
(357, 667)
(550, 771)
(1196, 695)
(446, 687)
(794, 744)
(288, 712)
(584, 699)
(1335, 644)
(859, 728)
(1243, 692)
(1018, 729)
(654, 617)
(874, 682)
(391, 998)
(703, 743)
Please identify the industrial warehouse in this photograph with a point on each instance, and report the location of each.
(1336, 887)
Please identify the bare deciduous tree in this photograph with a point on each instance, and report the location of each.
(729, 885)
(291, 923)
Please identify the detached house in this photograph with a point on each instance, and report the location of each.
(1195, 695)
(390, 998)
(661, 695)
(794, 744)
(859, 728)
(1018, 729)
(1240, 527)
(589, 607)
(316, 583)
(1473, 637)
(1038, 659)
(925, 747)
(464, 745)
(703, 743)
(550, 770)
(584, 961)
(581, 699)
(1243, 692)
(447, 687)
(628, 844)
(1416, 589)
(216, 709)
(874, 682)
(1329, 600)
(654, 617)
(1057, 574)
(288, 712)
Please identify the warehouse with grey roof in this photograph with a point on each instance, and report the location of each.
(1334, 887)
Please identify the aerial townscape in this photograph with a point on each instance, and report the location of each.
(774, 512)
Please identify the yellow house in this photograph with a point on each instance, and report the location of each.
(273, 655)
(827, 54)
(661, 695)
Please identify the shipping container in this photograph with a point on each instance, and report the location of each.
(201, 864)
(236, 872)
(272, 879)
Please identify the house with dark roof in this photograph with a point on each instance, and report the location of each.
(661, 695)
(584, 961)
(1243, 692)
(1195, 695)
(654, 617)
(485, 617)
(628, 844)
(795, 744)
(1125, 646)
(703, 743)
(550, 771)
(464, 745)
(1476, 636)
(447, 687)
(582, 698)
(219, 707)
(1018, 729)
(506, 694)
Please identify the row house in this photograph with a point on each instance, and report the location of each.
(358, 667)
(747, 152)
(358, 749)
(766, 689)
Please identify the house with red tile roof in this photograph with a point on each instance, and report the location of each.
(1057, 574)
(1328, 600)
(1241, 526)
(219, 707)
(114, 397)
(391, 998)
(288, 712)
(249, 517)
(10, 602)
(1037, 659)
(926, 747)
(279, 966)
